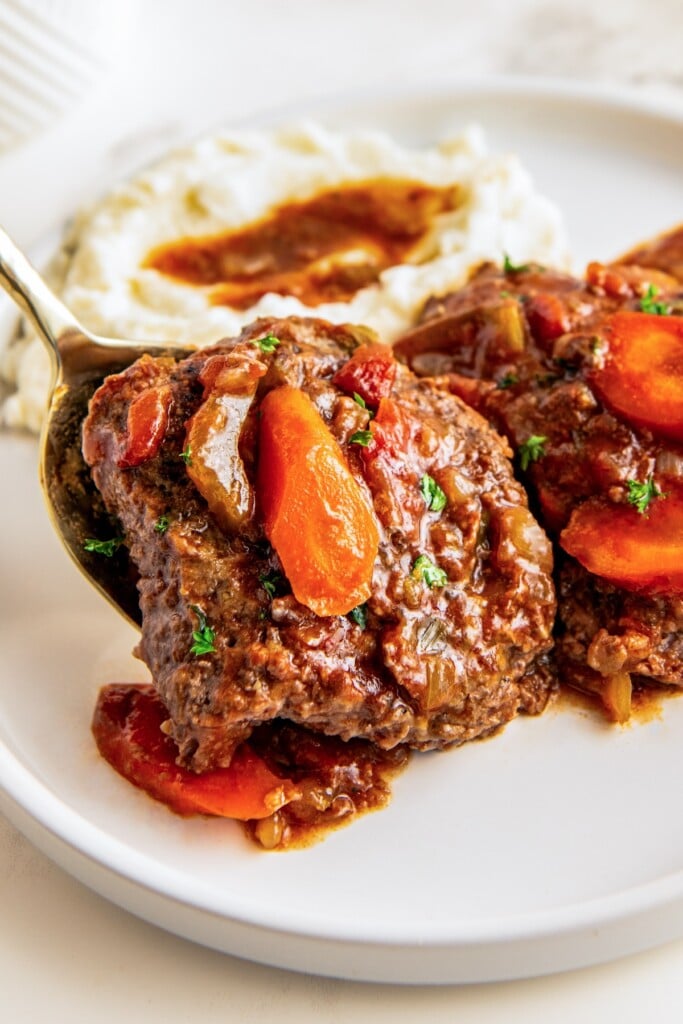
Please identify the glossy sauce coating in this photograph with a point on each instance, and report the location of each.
(322, 249)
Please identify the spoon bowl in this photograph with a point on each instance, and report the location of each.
(80, 362)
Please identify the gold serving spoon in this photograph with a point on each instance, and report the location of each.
(80, 361)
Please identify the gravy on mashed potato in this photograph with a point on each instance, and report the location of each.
(474, 207)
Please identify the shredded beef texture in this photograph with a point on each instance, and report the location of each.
(431, 665)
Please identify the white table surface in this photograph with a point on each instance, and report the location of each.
(65, 953)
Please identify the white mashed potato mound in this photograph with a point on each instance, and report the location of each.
(232, 179)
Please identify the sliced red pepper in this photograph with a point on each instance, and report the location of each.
(315, 514)
(370, 373)
(641, 378)
(642, 552)
(127, 729)
(146, 426)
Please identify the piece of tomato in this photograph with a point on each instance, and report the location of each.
(146, 426)
(314, 511)
(370, 373)
(641, 552)
(641, 377)
(127, 729)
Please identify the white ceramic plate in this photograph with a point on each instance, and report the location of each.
(557, 844)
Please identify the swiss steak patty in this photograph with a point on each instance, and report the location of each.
(450, 643)
(522, 345)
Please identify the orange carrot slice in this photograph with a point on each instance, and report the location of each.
(641, 378)
(637, 552)
(315, 514)
(127, 728)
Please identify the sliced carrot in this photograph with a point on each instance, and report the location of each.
(641, 377)
(370, 373)
(127, 728)
(145, 426)
(315, 514)
(637, 552)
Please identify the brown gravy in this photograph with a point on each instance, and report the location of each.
(322, 249)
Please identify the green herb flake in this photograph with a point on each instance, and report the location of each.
(434, 497)
(270, 582)
(514, 268)
(161, 525)
(648, 303)
(361, 437)
(204, 637)
(103, 547)
(359, 615)
(641, 494)
(532, 450)
(186, 456)
(507, 381)
(596, 345)
(268, 344)
(430, 574)
(359, 400)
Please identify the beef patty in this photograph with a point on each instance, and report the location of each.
(451, 642)
(522, 345)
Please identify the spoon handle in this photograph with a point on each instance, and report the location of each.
(26, 287)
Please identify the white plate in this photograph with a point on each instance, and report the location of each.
(555, 845)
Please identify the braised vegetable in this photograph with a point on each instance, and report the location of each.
(369, 374)
(639, 552)
(127, 725)
(315, 514)
(641, 377)
(146, 426)
(213, 434)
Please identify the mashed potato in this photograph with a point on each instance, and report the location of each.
(229, 180)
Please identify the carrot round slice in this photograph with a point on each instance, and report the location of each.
(641, 378)
(637, 552)
(127, 728)
(315, 513)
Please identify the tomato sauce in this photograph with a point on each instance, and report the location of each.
(321, 249)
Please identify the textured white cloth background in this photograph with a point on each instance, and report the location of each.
(65, 954)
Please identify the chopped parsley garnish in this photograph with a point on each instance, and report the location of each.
(641, 494)
(267, 344)
(430, 574)
(270, 582)
(186, 456)
(359, 615)
(361, 437)
(507, 381)
(359, 400)
(204, 637)
(514, 268)
(161, 525)
(103, 547)
(648, 303)
(434, 497)
(532, 450)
